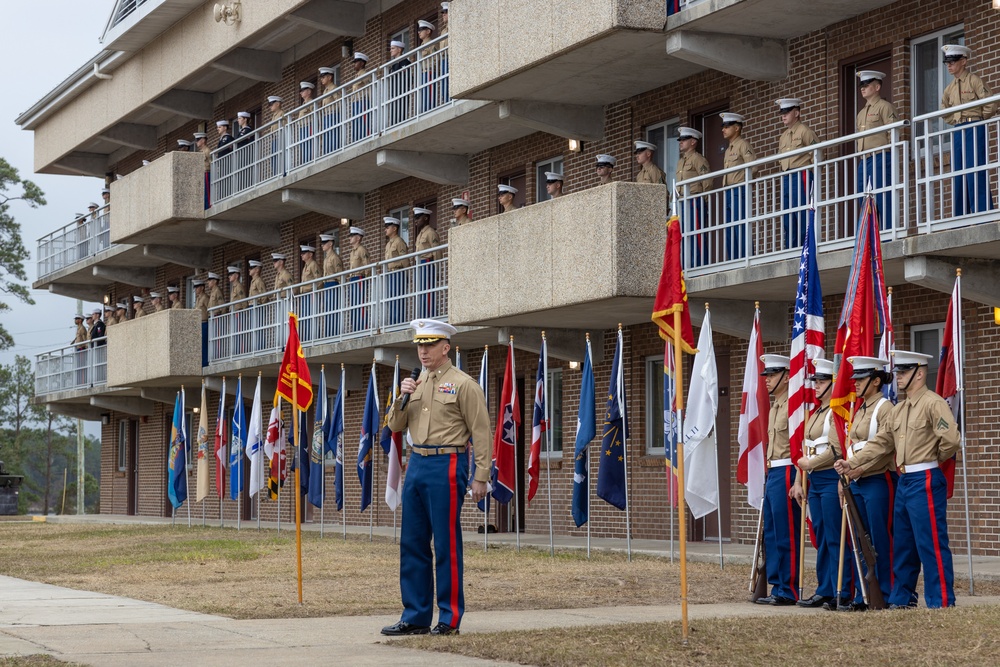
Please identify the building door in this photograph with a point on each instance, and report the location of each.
(133, 467)
(709, 123)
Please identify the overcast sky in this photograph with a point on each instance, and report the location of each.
(42, 43)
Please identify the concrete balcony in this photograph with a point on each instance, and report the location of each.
(591, 259)
(512, 50)
(162, 349)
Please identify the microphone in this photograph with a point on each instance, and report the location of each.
(406, 397)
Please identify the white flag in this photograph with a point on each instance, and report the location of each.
(701, 469)
(255, 444)
(754, 408)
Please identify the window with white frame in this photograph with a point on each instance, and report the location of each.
(123, 445)
(929, 75)
(663, 135)
(402, 35)
(555, 387)
(555, 165)
(926, 339)
(403, 215)
(654, 406)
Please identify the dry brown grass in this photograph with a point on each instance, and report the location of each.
(252, 575)
(916, 638)
(37, 660)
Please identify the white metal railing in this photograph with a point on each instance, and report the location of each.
(352, 304)
(762, 219)
(957, 167)
(79, 240)
(79, 366)
(354, 112)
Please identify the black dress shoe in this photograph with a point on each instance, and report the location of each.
(902, 606)
(765, 600)
(832, 605)
(444, 629)
(854, 606)
(403, 628)
(814, 602)
(775, 601)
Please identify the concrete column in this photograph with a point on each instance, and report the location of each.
(132, 405)
(138, 277)
(565, 120)
(980, 278)
(335, 204)
(258, 234)
(196, 258)
(434, 167)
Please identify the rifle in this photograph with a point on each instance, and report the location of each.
(863, 550)
(758, 567)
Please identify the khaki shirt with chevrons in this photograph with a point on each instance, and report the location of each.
(177, 304)
(428, 238)
(795, 137)
(876, 113)
(690, 165)
(447, 408)
(332, 264)
(650, 173)
(282, 279)
(257, 286)
(139, 312)
(216, 297)
(158, 307)
(738, 152)
(777, 429)
(201, 303)
(921, 428)
(962, 90)
(309, 272)
(861, 427)
(814, 430)
(237, 292)
(81, 334)
(359, 258)
(395, 247)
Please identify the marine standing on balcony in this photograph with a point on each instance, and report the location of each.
(553, 184)
(429, 68)
(460, 207)
(329, 117)
(282, 278)
(81, 331)
(875, 168)
(332, 266)
(970, 192)
(98, 329)
(109, 316)
(201, 145)
(244, 151)
(648, 172)
(310, 272)
(505, 197)
(240, 321)
(692, 164)
(797, 177)
(257, 286)
(157, 300)
(183, 146)
(922, 431)
(92, 209)
(357, 290)
(106, 195)
(399, 84)
(395, 274)
(738, 152)
(444, 20)
(605, 165)
(215, 296)
(427, 271)
(174, 297)
(137, 310)
(121, 312)
(360, 99)
(200, 299)
(274, 128)
(236, 290)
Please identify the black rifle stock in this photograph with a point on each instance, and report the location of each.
(863, 544)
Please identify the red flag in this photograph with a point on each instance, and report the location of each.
(505, 437)
(671, 295)
(754, 409)
(294, 369)
(274, 450)
(221, 445)
(949, 378)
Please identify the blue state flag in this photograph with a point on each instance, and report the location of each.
(177, 489)
(586, 430)
(317, 453)
(369, 427)
(236, 445)
(611, 472)
(334, 438)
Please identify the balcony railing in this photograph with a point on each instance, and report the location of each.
(79, 240)
(72, 367)
(400, 92)
(763, 218)
(333, 308)
(957, 167)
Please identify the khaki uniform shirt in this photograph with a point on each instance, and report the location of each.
(177, 304)
(309, 272)
(962, 90)
(693, 164)
(216, 297)
(777, 429)
(158, 307)
(201, 303)
(395, 247)
(650, 173)
(81, 334)
(237, 292)
(738, 152)
(123, 317)
(794, 137)
(447, 409)
(257, 286)
(359, 258)
(428, 238)
(361, 80)
(139, 312)
(921, 428)
(207, 155)
(876, 113)
(861, 429)
(331, 98)
(276, 116)
(816, 424)
(332, 264)
(282, 279)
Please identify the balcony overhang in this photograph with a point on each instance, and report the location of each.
(458, 130)
(79, 399)
(81, 274)
(158, 350)
(588, 260)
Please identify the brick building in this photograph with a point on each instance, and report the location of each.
(511, 91)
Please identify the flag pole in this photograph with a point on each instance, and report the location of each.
(260, 466)
(486, 498)
(187, 440)
(221, 416)
(718, 490)
(619, 387)
(278, 454)
(681, 529)
(322, 482)
(340, 444)
(395, 395)
(666, 447)
(298, 495)
(548, 444)
(960, 343)
(588, 455)
(371, 505)
(517, 468)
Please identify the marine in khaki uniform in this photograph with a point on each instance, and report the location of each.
(460, 208)
(137, 307)
(81, 335)
(427, 274)
(274, 103)
(307, 92)
(781, 514)
(396, 278)
(425, 33)
(157, 300)
(236, 290)
(875, 169)
(445, 409)
(257, 286)
(357, 291)
(326, 86)
(394, 245)
(359, 255)
(427, 236)
(970, 192)
(200, 298)
(109, 316)
(332, 265)
(310, 269)
(925, 436)
(360, 64)
(174, 296)
(121, 312)
(737, 152)
(648, 171)
(505, 198)
(215, 296)
(443, 32)
(282, 278)
(605, 165)
(797, 178)
(329, 111)
(553, 184)
(691, 164)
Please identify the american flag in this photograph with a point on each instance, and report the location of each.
(808, 341)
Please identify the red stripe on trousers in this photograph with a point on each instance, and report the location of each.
(892, 508)
(791, 530)
(934, 532)
(452, 552)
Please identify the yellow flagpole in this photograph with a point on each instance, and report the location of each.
(681, 523)
(298, 489)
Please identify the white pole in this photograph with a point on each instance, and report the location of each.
(340, 452)
(622, 410)
(718, 492)
(186, 437)
(486, 499)
(517, 487)
(588, 461)
(961, 411)
(548, 442)
(668, 355)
